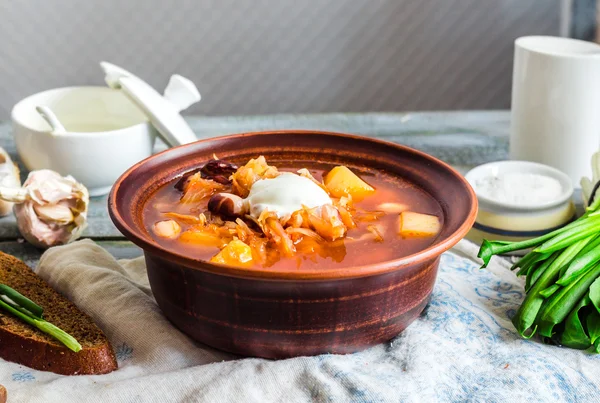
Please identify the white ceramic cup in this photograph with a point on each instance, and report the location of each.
(106, 134)
(555, 118)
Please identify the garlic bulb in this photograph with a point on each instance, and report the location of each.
(50, 209)
(9, 178)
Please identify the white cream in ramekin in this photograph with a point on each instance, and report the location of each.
(509, 214)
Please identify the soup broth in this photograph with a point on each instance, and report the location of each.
(376, 238)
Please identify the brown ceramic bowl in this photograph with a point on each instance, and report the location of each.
(279, 314)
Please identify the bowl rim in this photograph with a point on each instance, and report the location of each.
(430, 253)
(70, 134)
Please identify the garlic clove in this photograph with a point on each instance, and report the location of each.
(9, 179)
(47, 186)
(59, 213)
(34, 230)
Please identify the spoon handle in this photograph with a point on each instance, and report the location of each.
(50, 117)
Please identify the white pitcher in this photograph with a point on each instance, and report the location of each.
(555, 117)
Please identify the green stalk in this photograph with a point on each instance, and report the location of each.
(560, 304)
(533, 277)
(529, 309)
(579, 265)
(590, 246)
(589, 226)
(491, 248)
(531, 263)
(59, 334)
(20, 302)
(547, 292)
(45, 327)
(525, 260)
(530, 267)
(591, 209)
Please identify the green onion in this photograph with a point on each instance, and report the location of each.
(528, 311)
(579, 265)
(526, 260)
(20, 302)
(593, 244)
(547, 292)
(561, 303)
(534, 275)
(32, 314)
(491, 248)
(589, 226)
(530, 262)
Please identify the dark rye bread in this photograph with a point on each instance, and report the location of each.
(26, 345)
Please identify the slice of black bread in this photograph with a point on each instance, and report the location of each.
(26, 345)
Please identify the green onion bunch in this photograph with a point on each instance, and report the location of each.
(562, 282)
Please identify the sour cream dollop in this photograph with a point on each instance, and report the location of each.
(285, 194)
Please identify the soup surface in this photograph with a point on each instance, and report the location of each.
(391, 220)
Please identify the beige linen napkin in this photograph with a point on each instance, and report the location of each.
(462, 348)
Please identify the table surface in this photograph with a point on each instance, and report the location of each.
(462, 139)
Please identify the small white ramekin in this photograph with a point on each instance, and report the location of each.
(512, 222)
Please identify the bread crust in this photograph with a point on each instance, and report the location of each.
(42, 355)
(46, 357)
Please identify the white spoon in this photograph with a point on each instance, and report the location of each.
(50, 117)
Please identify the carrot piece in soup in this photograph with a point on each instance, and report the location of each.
(341, 182)
(418, 225)
(236, 253)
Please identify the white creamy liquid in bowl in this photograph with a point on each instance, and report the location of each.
(525, 189)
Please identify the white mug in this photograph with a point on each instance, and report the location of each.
(555, 110)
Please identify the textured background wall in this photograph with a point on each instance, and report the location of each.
(269, 56)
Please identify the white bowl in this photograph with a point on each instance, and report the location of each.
(513, 222)
(106, 134)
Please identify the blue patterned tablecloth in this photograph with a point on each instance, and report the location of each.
(462, 348)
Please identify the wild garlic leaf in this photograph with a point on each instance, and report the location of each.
(593, 326)
(574, 335)
(595, 294)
